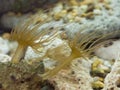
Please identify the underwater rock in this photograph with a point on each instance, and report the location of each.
(4, 47)
(103, 23)
(23, 5)
(109, 50)
(112, 80)
(31, 54)
(76, 78)
(56, 49)
(10, 20)
(4, 58)
(116, 4)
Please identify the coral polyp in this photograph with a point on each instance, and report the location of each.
(82, 46)
(29, 33)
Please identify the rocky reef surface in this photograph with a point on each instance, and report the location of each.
(100, 72)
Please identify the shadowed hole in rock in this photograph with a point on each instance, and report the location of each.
(1, 86)
(13, 78)
(118, 83)
(47, 86)
(112, 88)
(108, 44)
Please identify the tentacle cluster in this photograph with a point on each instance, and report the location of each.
(29, 33)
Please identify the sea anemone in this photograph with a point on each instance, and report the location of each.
(29, 33)
(82, 46)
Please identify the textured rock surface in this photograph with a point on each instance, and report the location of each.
(4, 47)
(109, 50)
(4, 58)
(56, 49)
(76, 78)
(107, 21)
(10, 20)
(22, 5)
(112, 80)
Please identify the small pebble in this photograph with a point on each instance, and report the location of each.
(97, 12)
(6, 36)
(97, 85)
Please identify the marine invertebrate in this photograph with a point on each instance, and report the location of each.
(82, 45)
(29, 33)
